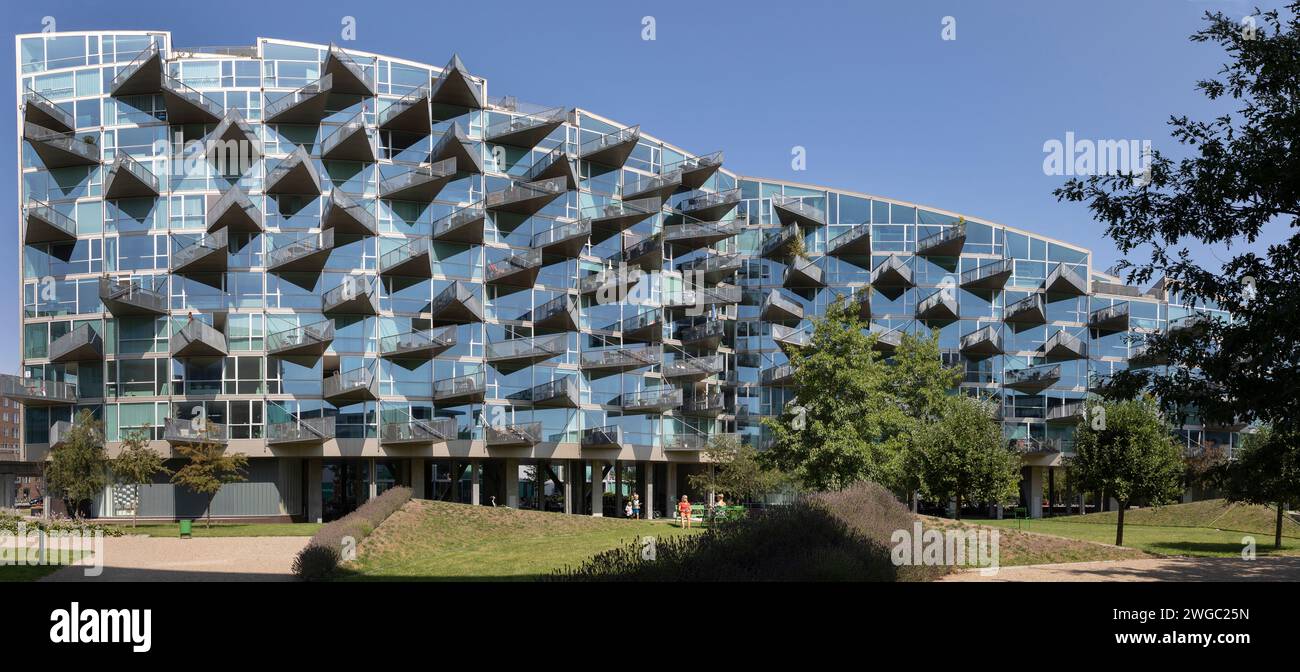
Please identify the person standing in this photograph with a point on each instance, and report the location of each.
(636, 505)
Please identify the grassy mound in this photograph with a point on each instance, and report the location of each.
(1211, 513)
(1017, 547)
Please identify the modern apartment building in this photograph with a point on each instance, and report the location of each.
(362, 271)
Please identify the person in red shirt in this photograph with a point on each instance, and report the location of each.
(684, 509)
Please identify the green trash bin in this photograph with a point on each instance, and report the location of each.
(186, 529)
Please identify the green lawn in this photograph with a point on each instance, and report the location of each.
(34, 572)
(443, 541)
(226, 529)
(1158, 539)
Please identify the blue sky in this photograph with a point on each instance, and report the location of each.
(881, 103)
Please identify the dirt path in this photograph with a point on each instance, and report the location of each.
(141, 558)
(1155, 569)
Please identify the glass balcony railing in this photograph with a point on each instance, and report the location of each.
(457, 303)
(696, 170)
(710, 206)
(44, 112)
(412, 259)
(556, 163)
(1064, 345)
(652, 186)
(301, 430)
(198, 339)
(791, 210)
(131, 297)
(713, 266)
(140, 74)
(653, 400)
(303, 254)
(415, 430)
(294, 174)
(47, 225)
(80, 344)
(349, 76)
(526, 130)
(128, 178)
(456, 86)
(311, 338)
(705, 405)
(1030, 310)
(1066, 280)
(306, 105)
(61, 150)
(531, 349)
(611, 149)
(790, 337)
(454, 143)
(568, 238)
(410, 113)
(621, 358)
(693, 367)
(356, 295)
(358, 383)
(778, 308)
(560, 312)
(196, 431)
(525, 434)
(780, 375)
(711, 331)
(893, 271)
(1112, 318)
(693, 235)
(234, 211)
(985, 341)
(525, 198)
(185, 105)
(1067, 412)
(782, 243)
(609, 436)
(345, 215)
(559, 393)
(989, 276)
(856, 240)
(351, 141)
(941, 305)
(209, 253)
(802, 272)
(36, 392)
(469, 387)
(1033, 378)
(420, 183)
(946, 243)
(461, 226)
(647, 325)
(517, 269)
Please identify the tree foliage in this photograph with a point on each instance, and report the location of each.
(1266, 470)
(208, 467)
(77, 469)
(961, 455)
(737, 471)
(136, 465)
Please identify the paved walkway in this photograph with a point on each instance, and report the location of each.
(1155, 569)
(139, 558)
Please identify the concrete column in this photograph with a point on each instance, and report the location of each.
(618, 489)
(1035, 498)
(374, 484)
(648, 497)
(1051, 491)
(512, 483)
(670, 489)
(597, 490)
(417, 478)
(315, 507)
(476, 483)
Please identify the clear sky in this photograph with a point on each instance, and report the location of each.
(879, 100)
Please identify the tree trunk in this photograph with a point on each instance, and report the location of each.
(209, 511)
(956, 505)
(135, 513)
(1277, 531)
(1119, 527)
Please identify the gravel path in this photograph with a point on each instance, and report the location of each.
(139, 558)
(1156, 569)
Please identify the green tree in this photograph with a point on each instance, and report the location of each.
(922, 388)
(1127, 449)
(208, 467)
(136, 465)
(1266, 470)
(737, 470)
(77, 469)
(1236, 176)
(961, 455)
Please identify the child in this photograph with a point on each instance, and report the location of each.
(636, 506)
(627, 509)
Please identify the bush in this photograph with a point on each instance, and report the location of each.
(10, 524)
(874, 513)
(323, 551)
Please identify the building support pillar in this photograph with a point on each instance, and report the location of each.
(1035, 498)
(374, 483)
(315, 504)
(569, 471)
(475, 483)
(618, 489)
(648, 499)
(417, 478)
(597, 489)
(1051, 491)
(670, 490)
(512, 483)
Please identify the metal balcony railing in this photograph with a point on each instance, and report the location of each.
(61, 150)
(294, 174)
(656, 186)
(80, 344)
(780, 244)
(420, 183)
(532, 348)
(461, 387)
(457, 303)
(983, 341)
(409, 113)
(941, 305)
(621, 358)
(411, 259)
(358, 295)
(776, 307)
(803, 272)
(351, 77)
(555, 163)
(777, 376)
(415, 430)
(653, 399)
(892, 271)
(948, 242)
(234, 210)
(345, 215)
(701, 233)
(696, 170)
(179, 431)
(510, 269)
(561, 392)
(611, 149)
(1111, 318)
(693, 367)
(314, 337)
(130, 297)
(856, 240)
(351, 140)
(298, 252)
(704, 404)
(1066, 280)
(795, 210)
(1066, 412)
(356, 383)
(149, 57)
(47, 225)
(304, 105)
(562, 311)
(786, 336)
(526, 130)
(198, 339)
(456, 86)
(128, 178)
(710, 206)
(525, 198)
(428, 342)
(1033, 378)
(1030, 310)
(525, 434)
(705, 331)
(45, 112)
(1064, 345)
(992, 275)
(609, 436)
(301, 430)
(37, 392)
(567, 237)
(463, 226)
(207, 253)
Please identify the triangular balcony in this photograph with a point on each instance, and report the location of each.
(611, 149)
(657, 187)
(710, 207)
(457, 304)
(513, 436)
(645, 327)
(618, 359)
(517, 353)
(804, 273)
(463, 226)
(653, 400)
(1033, 379)
(131, 297)
(982, 343)
(409, 114)
(778, 308)
(946, 243)
(306, 254)
(714, 267)
(559, 393)
(420, 184)
(34, 392)
(694, 235)
(351, 141)
(783, 243)
(565, 239)
(685, 368)
(409, 431)
(185, 105)
(781, 375)
(610, 281)
(192, 432)
(646, 253)
(455, 144)
(893, 271)
(42, 111)
(82, 344)
(525, 198)
(525, 131)
(356, 295)
(412, 260)
(198, 339)
(418, 344)
(516, 270)
(693, 296)
(233, 145)
(145, 75)
(465, 389)
(234, 211)
(609, 436)
(349, 77)
(696, 170)
(457, 87)
(991, 276)
(294, 174)
(710, 405)
(1067, 413)
(791, 210)
(887, 340)
(306, 340)
(344, 215)
(790, 339)
(861, 299)
(556, 163)
(705, 335)
(128, 178)
(301, 431)
(349, 387)
(306, 105)
(941, 306)
(1066, 280)
(558, 313)
(1030, 310)
(610, 219)
(47, 225)
(1064, 346)
(1110, 319)
(208, 253)
(856, 241)
(61, 150)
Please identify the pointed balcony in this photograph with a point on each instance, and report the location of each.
(693, 296)
(356, 295)
(517, 353)
(611, 149)
(61, 150)
(128, 178)
(349, 77)
(306, 105)
(795, 211)
(525, 198)
(565, 239)
(693, 368)
(525, 131)
(609, 436)
(619, 359)
(652, 400)
(82, 344)
(455, 144)
(412, 260)
(349, 387)
(781, 375)
(887, 340)
(513, 436)
(693, 236)
(646, 327)
(209, 253)
(42, 111)
(1111, 319)
(32, 392)
(789, 339)
(301, 431)
(855, 241)
(1030, 310)
(946, 243)
(295, 174)
(234, 211)
(233, 145)
(615, 217)
(131, 297)
(344, 215)
(1033, 379)
(941, 306)
(463, 226)
(306, 340)
(180, 432)
(983, 342)
(709, 405)
(145, 74)
(892, 272)
(411, 431)
(1066, 280)
(351, 141)
(714, 267)
(992, 276)
(457, 87)
(646, 253)
(306, 254)
(59, 432)
(457, 304)
(689, 442)
(559, 393)
(696, 170)
(778, 308)
(1064, 346)
(1067, 413)
(558, 313)
(420, 184)
(712, 206)
(462, 389)
(861, 299)
(198, 339)
(517, 270)
(783, 243)
(418, 344)
(609, 280)
(47, 225)
(409, 114)
(705, 335)
(802, 272)
(657, 187)
(556, 163)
